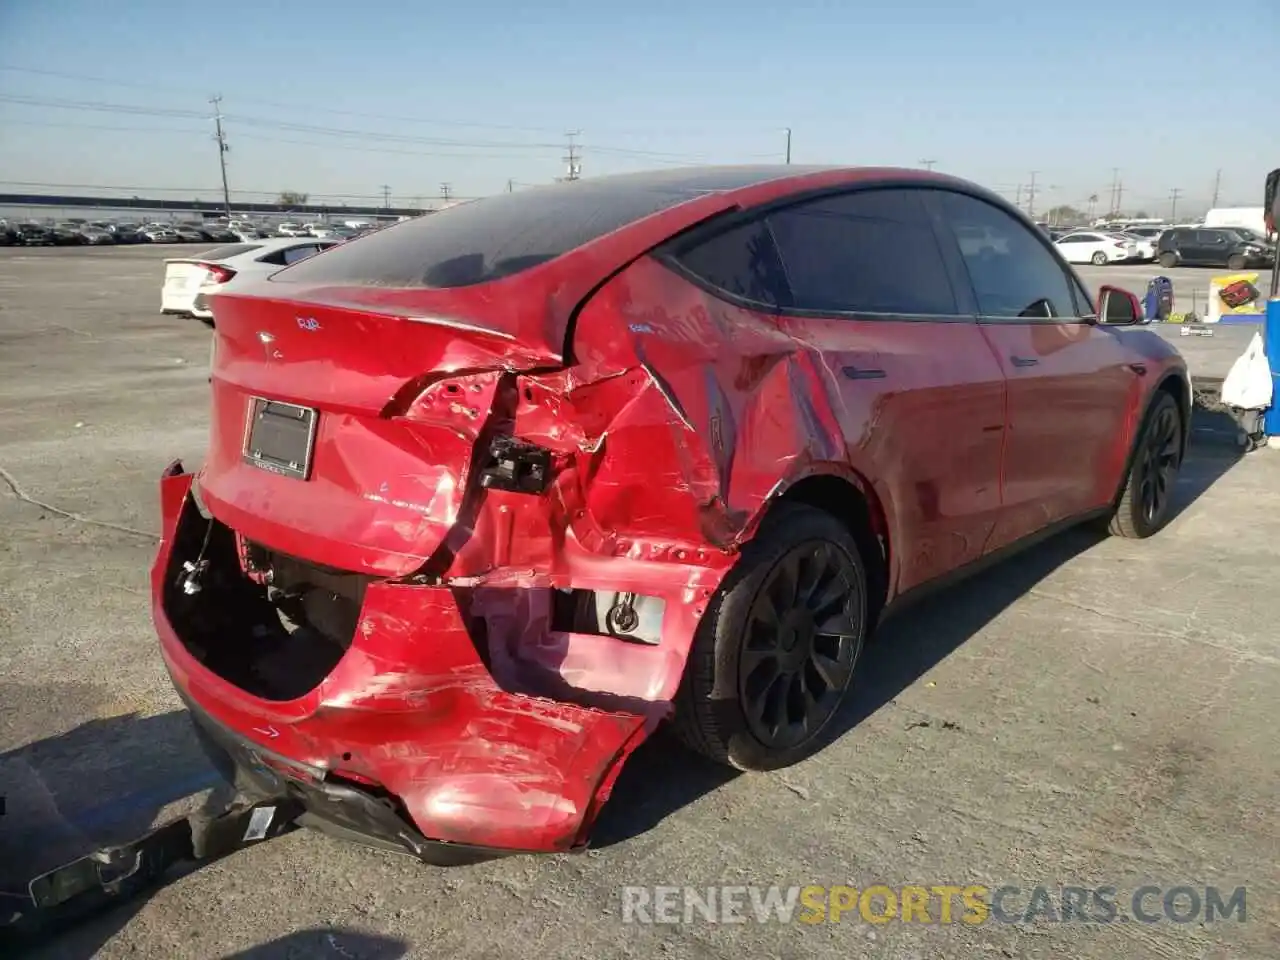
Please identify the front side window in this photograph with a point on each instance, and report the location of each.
(1016, 277)
(870, 251)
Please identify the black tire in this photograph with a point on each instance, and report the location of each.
(1146, 500)
(1168, 260)
(730, 708)
(1236, 262)
(1099, 259)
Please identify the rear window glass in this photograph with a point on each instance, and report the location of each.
(230, 250)
(495, 237)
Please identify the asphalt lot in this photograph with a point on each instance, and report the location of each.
(1097, 712)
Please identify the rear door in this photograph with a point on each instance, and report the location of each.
(914, 384)
(1213, 247)
(1069, 387)
(1076, 248)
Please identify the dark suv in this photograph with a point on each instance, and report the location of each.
(1211, 247)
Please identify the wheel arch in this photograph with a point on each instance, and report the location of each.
(845, 494)
(1176, 384)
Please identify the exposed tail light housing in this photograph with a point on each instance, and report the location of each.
(218, 274)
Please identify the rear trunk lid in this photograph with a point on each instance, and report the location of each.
(345, 420)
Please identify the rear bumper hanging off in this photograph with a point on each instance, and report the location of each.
(113, 874)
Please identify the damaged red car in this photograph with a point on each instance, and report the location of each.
(493, 493)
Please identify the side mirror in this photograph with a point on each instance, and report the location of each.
(1118, 308)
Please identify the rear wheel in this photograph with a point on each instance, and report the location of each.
(1099, 259)
(775, 652)
(1147, 499)
(1235, 262)
(1168, 260)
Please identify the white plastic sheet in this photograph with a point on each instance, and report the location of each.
(1248, 382)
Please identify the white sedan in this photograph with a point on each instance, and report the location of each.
(188, 280)
(1096, 248)
(1146, 246)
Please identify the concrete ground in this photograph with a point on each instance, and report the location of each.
(1096, 713)
(1209, 356)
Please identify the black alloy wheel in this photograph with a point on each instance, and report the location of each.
(775, 652)
(801, 644)
(1159, 463)
(1145, 504)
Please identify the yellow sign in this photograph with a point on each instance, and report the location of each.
(1219, 308)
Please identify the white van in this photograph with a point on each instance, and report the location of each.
(1250, 217)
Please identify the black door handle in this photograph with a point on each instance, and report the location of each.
(863, 373)
(1023, 361)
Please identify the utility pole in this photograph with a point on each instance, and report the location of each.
(1093, 202)
(1173, 204)
(510, 185)
(1119, 196)
(1031, 196)
(1217, 183)
(386, 197)
(927, 164)
(1114, 208)
(446, 191)
(573, 162)
(1017, 197)
(222, 150)
(788, 145)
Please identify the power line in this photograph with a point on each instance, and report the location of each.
(186, 191)
(285, 106)
(299, 106)
(316, 130)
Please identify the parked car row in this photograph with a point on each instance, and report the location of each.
(78, 232)
(84, 232)
(1231, 247)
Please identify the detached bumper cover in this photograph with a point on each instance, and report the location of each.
(412, 712)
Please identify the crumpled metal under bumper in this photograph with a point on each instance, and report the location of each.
(421, 723)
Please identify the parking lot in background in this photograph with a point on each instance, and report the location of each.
(1096, 712)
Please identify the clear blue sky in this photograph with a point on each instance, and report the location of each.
(340, 98)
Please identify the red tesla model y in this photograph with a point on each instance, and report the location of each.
(494, 492)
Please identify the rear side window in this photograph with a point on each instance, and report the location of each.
(742, 261)
(231, 250)
(870, 251)
(487, 239)
(288, 255)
